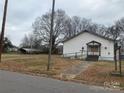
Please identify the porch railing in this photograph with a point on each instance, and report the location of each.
(93, 53)
(76, 55)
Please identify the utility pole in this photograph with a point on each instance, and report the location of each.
(3, 27)
(51, 34)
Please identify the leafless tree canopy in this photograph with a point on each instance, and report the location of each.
(66, 27)
(31, 41)
(41, 27)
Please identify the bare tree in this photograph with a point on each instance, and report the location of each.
(117, 29)
(80, 24)
(41, 27)
(114, 32)
(31, 41)
(25, 42)
(120, 24)
(7, 44)
(76, 25)
(68, 29)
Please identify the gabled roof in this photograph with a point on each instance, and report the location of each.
(90, 33)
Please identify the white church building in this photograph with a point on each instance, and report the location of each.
(89, 46)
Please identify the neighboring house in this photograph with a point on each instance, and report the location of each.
(30, 51)
(92, 46)
(13, 49)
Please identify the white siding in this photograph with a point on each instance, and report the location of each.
(76, 44)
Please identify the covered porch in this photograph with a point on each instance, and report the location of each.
(93, 51)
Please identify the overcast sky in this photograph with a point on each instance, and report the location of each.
(21, 13)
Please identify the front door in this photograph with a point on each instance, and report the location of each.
(94, 48)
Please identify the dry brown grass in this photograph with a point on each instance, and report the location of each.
(36, 64)
(100, 73)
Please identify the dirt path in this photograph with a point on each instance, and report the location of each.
(72, 72)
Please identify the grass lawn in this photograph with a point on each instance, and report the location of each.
(35, 64)
(99, 73)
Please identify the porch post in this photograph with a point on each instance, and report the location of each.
(115, 59)
(87, 50)
(93, 47)
(99, 50)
